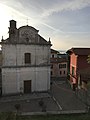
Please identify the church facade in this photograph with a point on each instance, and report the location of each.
(25, 61)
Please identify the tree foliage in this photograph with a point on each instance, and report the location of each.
(88, 59)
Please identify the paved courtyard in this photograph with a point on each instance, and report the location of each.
(60, 98)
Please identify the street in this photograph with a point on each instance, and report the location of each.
(66, 97)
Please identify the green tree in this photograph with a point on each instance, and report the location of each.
(88, 59)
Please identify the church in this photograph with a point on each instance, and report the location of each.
(25, 61)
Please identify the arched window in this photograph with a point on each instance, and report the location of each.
(27, 58)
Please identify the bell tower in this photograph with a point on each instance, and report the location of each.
(13, 31)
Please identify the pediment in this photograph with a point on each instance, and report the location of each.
(27, 31)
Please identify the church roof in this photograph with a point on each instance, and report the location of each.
(25, 35)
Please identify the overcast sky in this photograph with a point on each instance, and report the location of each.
(66, 22)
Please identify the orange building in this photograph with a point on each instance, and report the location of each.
(77, 62)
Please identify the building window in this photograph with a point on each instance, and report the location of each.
(27, 58)
(73, 70)
(0, 70)
(60, 72)
(53, 56)
(62, 65)
(51, 73)
(51, 66)
(64, 72)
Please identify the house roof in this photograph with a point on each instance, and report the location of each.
(58, 60)
(79, 51)
(54, 51)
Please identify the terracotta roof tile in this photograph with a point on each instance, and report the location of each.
(79, 51)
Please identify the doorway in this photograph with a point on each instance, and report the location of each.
(27, 86)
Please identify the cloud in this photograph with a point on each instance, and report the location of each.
(45, 8)
(63, 28)
(66, 5)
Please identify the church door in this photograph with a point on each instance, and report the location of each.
(27, 86)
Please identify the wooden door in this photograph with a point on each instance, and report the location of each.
(27, 86)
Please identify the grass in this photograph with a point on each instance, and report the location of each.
(7, 116)
(58, 117)
(12, 116)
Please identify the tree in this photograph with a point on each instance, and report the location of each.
(88, 60)
(17, 106)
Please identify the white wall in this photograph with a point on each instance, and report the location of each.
(39, 54)
(14, 70)
(13, 79)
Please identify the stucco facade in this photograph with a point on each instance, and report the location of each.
(58, 65)
(78, 61)
(13, 79)
(26, 61)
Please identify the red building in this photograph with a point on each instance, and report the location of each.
(77, 62)
(84, 79)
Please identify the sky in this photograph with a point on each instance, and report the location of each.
(65, 22)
